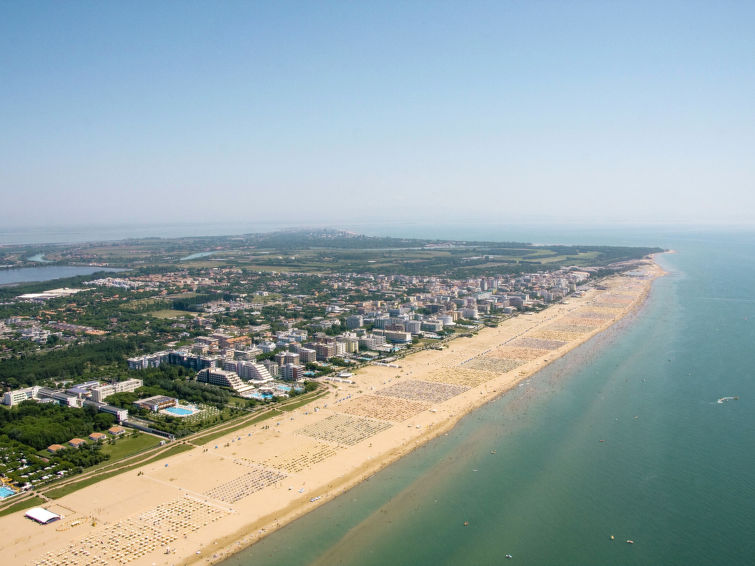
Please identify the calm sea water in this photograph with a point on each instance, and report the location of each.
(675, 473)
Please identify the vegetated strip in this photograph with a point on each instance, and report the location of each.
(297, 402)
(59, 492)
(110, 465)
(128, 447)
(238, 425)
(25, 504)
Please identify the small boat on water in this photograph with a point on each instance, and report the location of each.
(509, 556)
(723, 400)
(630, 541)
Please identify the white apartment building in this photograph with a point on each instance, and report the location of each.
(223, 378)
(17, 396)
(251, 371)
(102, 392)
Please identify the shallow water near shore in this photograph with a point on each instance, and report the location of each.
(623, 437)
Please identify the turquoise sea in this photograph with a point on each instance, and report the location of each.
(675, 472)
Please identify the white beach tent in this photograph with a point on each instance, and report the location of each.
(41, 515)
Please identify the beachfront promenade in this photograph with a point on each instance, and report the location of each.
(213, 500)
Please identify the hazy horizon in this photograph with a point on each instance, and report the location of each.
(573, 233)
(336, 113)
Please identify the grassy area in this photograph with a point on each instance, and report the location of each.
(75, 486)
(25, 504)
(187, 295)
(276, 268)
(206, 264)
(139, 303)
(170, 313)
(582, 258)
(129, 446)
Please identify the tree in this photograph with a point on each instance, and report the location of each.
(103, 421)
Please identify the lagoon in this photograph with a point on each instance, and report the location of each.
(47, 273)
(196, 256)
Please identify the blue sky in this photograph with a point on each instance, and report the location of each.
(436, 111)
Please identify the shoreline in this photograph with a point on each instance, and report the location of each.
(232, 543)
(231, 497)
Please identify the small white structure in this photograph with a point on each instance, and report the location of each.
(41, 515)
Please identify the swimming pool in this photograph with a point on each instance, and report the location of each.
(6, 492)
(261, 396)
(179, 411)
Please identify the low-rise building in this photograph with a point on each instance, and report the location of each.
(371, 341)
(470, 313)
(102, 392)
(18, 395)
(432, 325)
(156, 403)
(267, 347)
(398, 336)
(119, 413)
(59, 397)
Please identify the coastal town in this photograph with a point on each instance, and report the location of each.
(146, 363)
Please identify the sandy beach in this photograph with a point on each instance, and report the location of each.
(206, 503)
